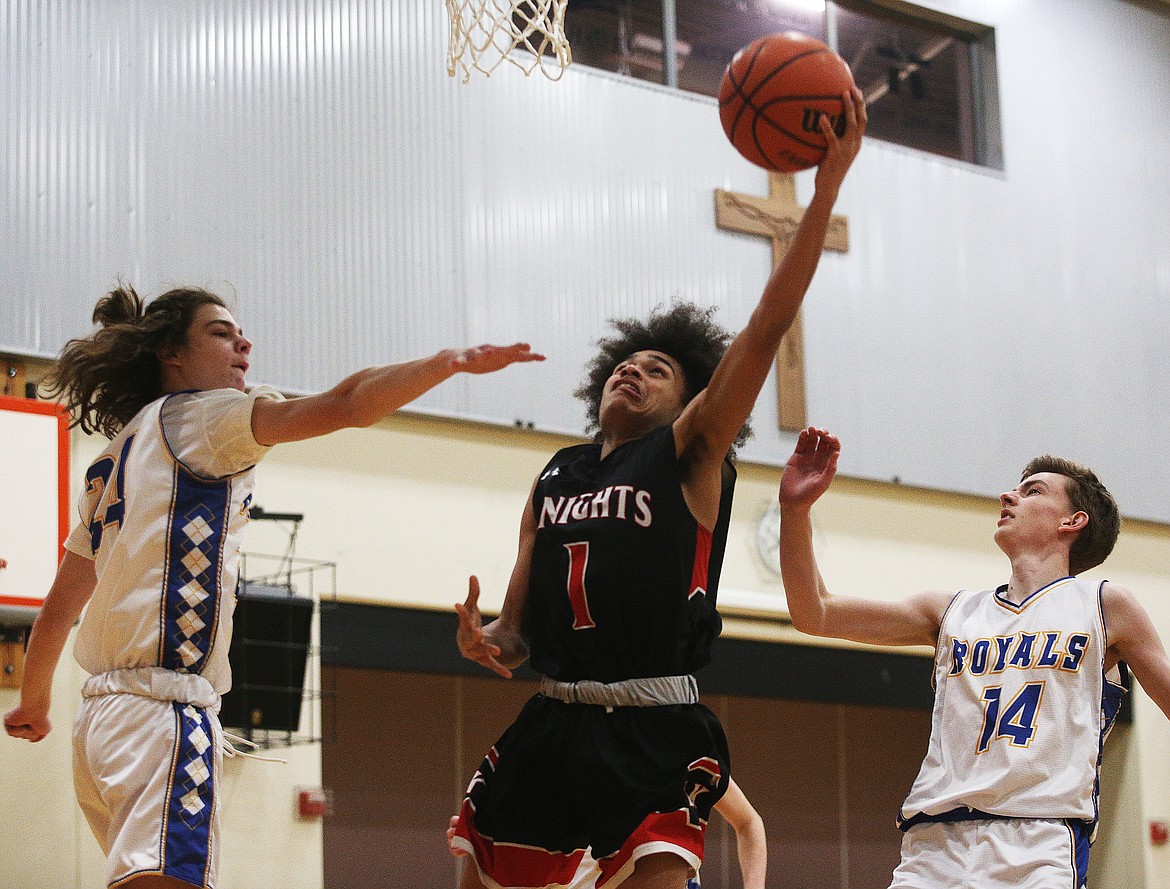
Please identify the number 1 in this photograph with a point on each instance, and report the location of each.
(578, 560)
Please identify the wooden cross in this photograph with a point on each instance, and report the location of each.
(777, 217)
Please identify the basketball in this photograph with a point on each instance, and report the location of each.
(772, 97)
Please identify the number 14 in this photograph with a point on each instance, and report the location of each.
(1018, 720)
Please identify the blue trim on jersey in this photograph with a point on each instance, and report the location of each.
(938, 642)
(1112, 696)
(196, 533)
(1012, 606)
(191, 798)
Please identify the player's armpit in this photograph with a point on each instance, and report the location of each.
(1134, 639)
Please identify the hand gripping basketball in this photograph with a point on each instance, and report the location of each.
(777, 94)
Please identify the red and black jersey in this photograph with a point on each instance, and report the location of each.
(623, 578)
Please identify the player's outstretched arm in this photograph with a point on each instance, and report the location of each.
(72, 588)
(713, 419)
(1134, 639)
(499, 645)
(374, 393)
(751, 842)
(914, 620)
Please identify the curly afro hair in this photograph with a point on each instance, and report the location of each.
(683, 331)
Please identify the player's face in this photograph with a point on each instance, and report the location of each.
(1033, 512)
(215, 355)
(647, 389)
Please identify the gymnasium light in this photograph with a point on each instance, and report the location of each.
(801, 5)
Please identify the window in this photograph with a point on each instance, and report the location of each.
(929, 78)
(624, 36)
(922, 80)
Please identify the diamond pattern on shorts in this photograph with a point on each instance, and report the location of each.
(192, 778)
(197, 770)
(199, 740)
(192, 804)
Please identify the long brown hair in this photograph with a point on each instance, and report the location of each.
(109, 376)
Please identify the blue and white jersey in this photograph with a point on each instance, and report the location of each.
(1021, 707)
(161, 517)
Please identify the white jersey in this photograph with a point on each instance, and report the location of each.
(161, 516)
(1021, 707)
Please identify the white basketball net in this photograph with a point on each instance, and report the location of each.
(485, 33)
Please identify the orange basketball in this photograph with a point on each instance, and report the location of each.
(773, 95)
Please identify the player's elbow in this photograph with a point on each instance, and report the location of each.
(811, 623)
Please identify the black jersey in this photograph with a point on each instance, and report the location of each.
(623, 578)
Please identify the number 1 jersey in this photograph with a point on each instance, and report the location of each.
(623, 579)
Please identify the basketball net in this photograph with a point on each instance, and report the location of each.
(485, 33)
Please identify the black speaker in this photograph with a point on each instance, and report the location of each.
(269, 653)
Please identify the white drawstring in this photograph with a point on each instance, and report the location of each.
(230, 751)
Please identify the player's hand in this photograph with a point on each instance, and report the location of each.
(810, 469)
(486, 358)
(842, 150)
(457, 851)
(30, 723)
(473, 643)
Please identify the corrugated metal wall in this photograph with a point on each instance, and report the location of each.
(314, 157)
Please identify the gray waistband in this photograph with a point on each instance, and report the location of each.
(153, 682)
(654, 691)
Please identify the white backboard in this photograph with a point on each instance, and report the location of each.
(34, 483)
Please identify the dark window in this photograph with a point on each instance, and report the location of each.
(710, 32)
(929, 78)
(919, 81)
(623, 36)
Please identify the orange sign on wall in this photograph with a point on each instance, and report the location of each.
(34, 500)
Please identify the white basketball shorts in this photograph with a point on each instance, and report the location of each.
(1007, 853)
(147, 774)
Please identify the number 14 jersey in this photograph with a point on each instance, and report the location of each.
(1022, 706)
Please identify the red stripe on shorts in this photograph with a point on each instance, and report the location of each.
(513, 865)
(661, 829)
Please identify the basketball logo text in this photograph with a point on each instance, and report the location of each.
(811, 122)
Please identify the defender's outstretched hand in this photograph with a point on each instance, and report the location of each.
(473, 644)
(810, 469)
(487, 358)
(842, 150)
